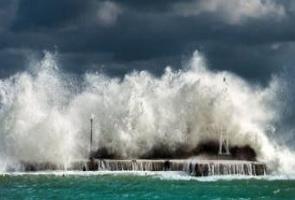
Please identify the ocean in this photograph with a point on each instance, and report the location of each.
(141, 185)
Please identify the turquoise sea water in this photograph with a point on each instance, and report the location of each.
(130, 186)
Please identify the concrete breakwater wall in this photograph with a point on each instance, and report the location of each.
(192, 167)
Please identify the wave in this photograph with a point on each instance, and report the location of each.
(44, 114)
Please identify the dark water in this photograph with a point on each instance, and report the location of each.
(139, 187)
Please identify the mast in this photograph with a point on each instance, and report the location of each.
(223, 138)
(91, 135)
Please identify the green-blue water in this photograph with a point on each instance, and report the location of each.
(139, 187)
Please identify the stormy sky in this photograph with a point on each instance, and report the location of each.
(252, 38)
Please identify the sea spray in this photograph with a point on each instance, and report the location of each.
(44, 114)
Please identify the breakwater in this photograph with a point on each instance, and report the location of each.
(192, 167)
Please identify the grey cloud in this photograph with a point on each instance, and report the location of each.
(232, 11)
(120, 36)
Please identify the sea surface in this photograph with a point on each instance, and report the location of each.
(141, 185)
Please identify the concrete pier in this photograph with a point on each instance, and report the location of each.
(193, 167)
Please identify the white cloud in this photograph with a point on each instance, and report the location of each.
(232, 11)
(275, 46)
(108, 12)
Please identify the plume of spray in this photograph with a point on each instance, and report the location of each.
(44, 114)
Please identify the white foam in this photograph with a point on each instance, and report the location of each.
(166, 176)
(44, 115)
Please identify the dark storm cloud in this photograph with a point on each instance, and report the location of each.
(38, 14)
(120, 36)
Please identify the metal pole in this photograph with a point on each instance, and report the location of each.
(91, 127)
(227, 144)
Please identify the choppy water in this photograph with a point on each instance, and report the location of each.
(141, 186)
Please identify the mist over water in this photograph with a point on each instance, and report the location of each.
(44, 113)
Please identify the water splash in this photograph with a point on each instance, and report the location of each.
(44, 114)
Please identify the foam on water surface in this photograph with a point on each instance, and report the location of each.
(167, 175)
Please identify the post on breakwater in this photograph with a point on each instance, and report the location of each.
(91, 136)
